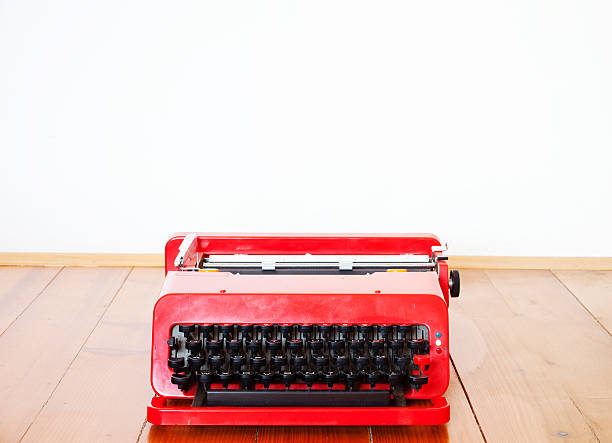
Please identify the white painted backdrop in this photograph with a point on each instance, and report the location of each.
(486, 122)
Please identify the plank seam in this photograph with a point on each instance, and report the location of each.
(144, 423)
(77, 354)
(586, 420)
(579, 301)
(370, 434)
(468, 399)
(33, 300)
(256, 433)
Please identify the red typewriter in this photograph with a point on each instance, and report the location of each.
(302, 330)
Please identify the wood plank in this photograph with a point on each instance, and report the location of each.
(594, 290)
(280, 434)
(190, 434)
(80, 259)
(111, 369)
(461, 428)
(19, 286)
(509, 342)
(39, 346)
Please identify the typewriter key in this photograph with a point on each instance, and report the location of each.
(402, 363)
(274, 345)
(356, 346)
(195, 362)
(310, 378)
(206, 378)
(246, 380)
(227, 331)
(373, 378)
(384, 331)
(235, 346)
(186, 329)
(365, 330)
(266, 331)
(254, 346)
(381, 362)
(237, 361)
(295, 346)
(315, 345)
(286, 330)
(321, 361)
(266, 379)
(342, 362)
(330, 378)
(324, 329)
(417, 345)
(397, 345)
(183, 381)
(403, 330)
(337, 346)
(353, 380)
(305, 330)
(298, 362)
(394, 378)
(214, 346)
(288, 378)
(176, 363)
(278, 361)
(417, 381)
(195, 346)
(377, 346)
(225, 378)
(205, 330)
(362, 363)
(216, 361)
(246, 331)
(257, 363)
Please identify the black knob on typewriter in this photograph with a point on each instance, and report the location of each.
(417, 345)
(176, 363)
(288, 378)
(235, 346)
(394, 378)
(247, 379)
(397, 345)
(381, 362)
(310, 378)
(214, 346)
(186, 329)
(216, 361)
(416, 381)
(286, 330)
(373, 378)
(195, 346)
(183, 381)
(237, 361)
(344, 330)
(377, 346)
(195, 362)
(247, 331)
(365, 330)
(337, 346)
(403, 330)
(295, 346)
(266, 379)
(342, 362)
(362, 363)
(324, 329)
(454, 283)
(206, 378)
(305, 330)
(356, 346)
(227, 331)
(278, 360)
(353, 380)
(266, 331)
(330, 378)
(257, 362)
(321, 361)
(384, 331)
(298, 362)
(402, 363)
(274, 345)
(205, 329)
(254, 346)
(315, 345)
(225, 378)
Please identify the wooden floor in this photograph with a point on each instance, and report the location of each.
(531, 355)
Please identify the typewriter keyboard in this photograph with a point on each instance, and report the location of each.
(302, 358)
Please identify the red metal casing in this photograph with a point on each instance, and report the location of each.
(377, 298)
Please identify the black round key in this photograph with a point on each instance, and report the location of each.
(353, 379)
(356, 346)
(225, 378)
(235, 346)
(381, 362)
(402, 363)
(182, 380)
(238, 360)
(195, 346)
(206, 377)
(279, 360)
(344, 329)
(288, 378)
(417, 345)
(247, 331)
(397, 345)
(227, 330)
(373, 378)
(274, 345)
(377, 346)
(337, 346)
(176, 363)
(418, 380)
(295, 345)
(362, 362)
(266, 379)
(403, 330)
(310, 378)
(266, 331)
(257, 362)
(247, 379)
(342, 362)
(195, 362)
(315, 345)
(394, 378)
(298, 362)
(365, 330)
(321, 361)
(330, 378)
(286, 330)
(186, 329)
(216, 360)
(205, 329)
(254, 346)
(384, 331)
(324, 329)
(214, 345)
(306, 330)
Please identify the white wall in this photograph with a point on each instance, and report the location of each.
(486, 122)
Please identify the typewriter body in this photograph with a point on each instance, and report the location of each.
(302, 330)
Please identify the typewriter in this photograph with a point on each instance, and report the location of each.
(302, 330)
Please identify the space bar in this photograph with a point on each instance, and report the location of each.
(297, 398)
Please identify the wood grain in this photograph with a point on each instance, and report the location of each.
(39, 346)
(112, 369)
(19, 286)
(319, 434)
(461, 428)
(594, 290)
(190, 434)
(510, 335)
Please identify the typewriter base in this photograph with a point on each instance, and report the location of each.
(159, 413)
